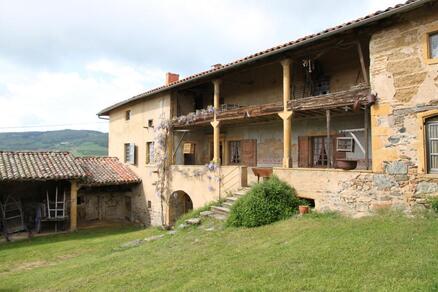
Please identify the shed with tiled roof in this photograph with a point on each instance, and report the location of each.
(26, 166)
(104, 171)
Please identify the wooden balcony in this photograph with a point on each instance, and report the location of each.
(341, 101)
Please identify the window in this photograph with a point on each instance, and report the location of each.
(150, 152)
(149, 204)
(345, 144)
(130, 153)
(433, 45)
(128, 115)
(432, 145)
(243, 152)
(235, 152)
(319, 151)
(150, 123)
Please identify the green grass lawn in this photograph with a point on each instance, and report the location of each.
(382, 253)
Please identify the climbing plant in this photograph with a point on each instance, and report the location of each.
(211, 170)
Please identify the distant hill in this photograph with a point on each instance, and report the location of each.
(78, 142)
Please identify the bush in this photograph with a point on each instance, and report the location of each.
(434, 204)
(265, 203)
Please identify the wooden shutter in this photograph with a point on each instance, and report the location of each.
(249, 152)
(303, 151)
(336, 154)
(131, 153)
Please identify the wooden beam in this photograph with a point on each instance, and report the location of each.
(329, 152)
(362, 63)
(366, 133)
(73, 205)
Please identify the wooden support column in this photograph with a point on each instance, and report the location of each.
(362, 63)
(329, 143)
(286, 115)
(366, 134)
(73, 205)
(215, 123)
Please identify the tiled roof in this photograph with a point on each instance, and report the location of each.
(38, 166)
(407, 6)
(106, 171)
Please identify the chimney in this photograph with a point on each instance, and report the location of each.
(171, 77)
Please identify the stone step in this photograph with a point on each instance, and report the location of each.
(232, 199)
(240, 193)
(219, 216)
(220, 210)
(228, 204)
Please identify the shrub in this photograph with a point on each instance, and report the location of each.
(265, 203)
(434, 204)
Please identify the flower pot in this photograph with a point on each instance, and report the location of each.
(303, 209)
(346, 164)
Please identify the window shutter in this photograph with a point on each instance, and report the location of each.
(337, 154)
(249, 152)
(303, 151)
(131, 157)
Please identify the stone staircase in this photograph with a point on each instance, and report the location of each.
(221, 212)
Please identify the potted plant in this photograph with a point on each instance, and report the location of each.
(303, 207)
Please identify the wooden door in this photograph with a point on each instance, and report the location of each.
(249, 152)
(304, 151)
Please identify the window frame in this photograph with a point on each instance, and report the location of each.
(428, 146)
(150, 160)
(428, 59)
(129, 154)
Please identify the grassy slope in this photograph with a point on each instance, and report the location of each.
(78, 142)
(373, 254)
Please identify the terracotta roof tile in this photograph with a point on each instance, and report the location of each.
(38, 166)
(106, 171)
(289, 45)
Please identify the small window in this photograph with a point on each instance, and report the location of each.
(130, 153)
(150, 123)
(433, 45)
(344, 144)
(149, 204)
(149, 152)
(128, 115)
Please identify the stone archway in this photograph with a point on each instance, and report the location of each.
(179, 204)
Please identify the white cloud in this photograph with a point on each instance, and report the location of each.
(69, 99)
(63, 61)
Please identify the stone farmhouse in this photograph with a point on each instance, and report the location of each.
(347, 116)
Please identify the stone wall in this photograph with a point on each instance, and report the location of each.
(406, 85)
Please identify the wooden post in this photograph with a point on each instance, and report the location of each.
(367, 160)
(329, 152)
(286, 115)
(362, 63)
(73, 205)
(215, 123)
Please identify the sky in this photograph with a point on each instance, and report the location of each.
(63, 61)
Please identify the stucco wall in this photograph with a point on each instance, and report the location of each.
(134, 131)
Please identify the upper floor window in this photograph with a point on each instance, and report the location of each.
(150, 123)
(433, 45)
(150, 152)
(129, 153)
(128, 115)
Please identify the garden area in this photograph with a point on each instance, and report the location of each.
(312, 252)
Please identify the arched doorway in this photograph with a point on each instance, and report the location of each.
(179, 204)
